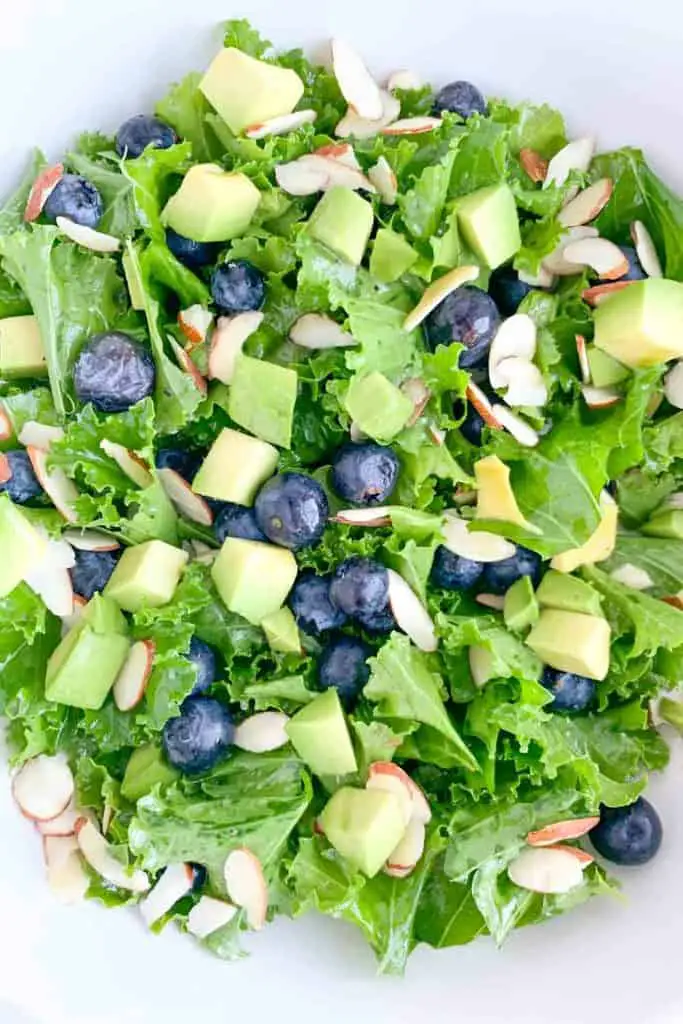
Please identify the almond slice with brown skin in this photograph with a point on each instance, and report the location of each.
(90, 540)
(575, 156)
(584, 365)
(42, 188)
(262, 732)
(586, 206)
(186, 364)
(645, 250)
(515, 338)
(52, 583)
(437, 292)
(404, 858)
(208, 915)
(195, 323)
(493, 601)
(412, 126)
(39, 435)
(316, 331)
(410, 614)
(673, 385)
(131, 682)
(61, 491)
(600, 292)
(603, 256)
(175, 882)
(481, 403)
(97, 852)
(383, 178)
(561, 831)
(227, 342)
(584, 859)
(281, 125)
(88, 238)
(43, 787)
(599, 398)
(184, 499)
(356, 84)
(548, 871)
(419, 394)
(377, 516)
(403, 79)
(556, 263)
(342, 152)
(302, 179)
(477, 545)
(63, 825)
(533, 164)
(128, 462)
(542, 279)
(352, 124)
(522, 431)
(246, 885)
(339, 174)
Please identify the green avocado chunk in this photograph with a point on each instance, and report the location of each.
(21, 347)
(262, 399)
(572, 642)
(642, 325)
(391, 256)
(246, 91)
(146, 575)
(21, 545)
(560, 590)
(235, 467)
(520, 610)
(252, 578)
(320, 736)
(377, 406)
(665, 524)
(342, 221)
(212, 205)
(489, 224)
(364, 825)
(146, 769)
(282, 632)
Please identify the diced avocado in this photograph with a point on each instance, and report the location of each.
(342, 221)
(262, 399)
(572, 642)
(131, 272)
(665, 524)
(103, 615)
(520, 610)
(320, 736)
(495, 497)
(642, 325)
(569, 594)
(212, 205)
(377, 406)
(364, 825)
(246, 91)
(391, 256)
(605, 371)
(489, 224)
(599, 546)
(235, 468)
(253, 579)
(146, 769)
(146, 575)
(481, 665)
(21, 545)
(83, 668)
(282, 632)
(21, 347)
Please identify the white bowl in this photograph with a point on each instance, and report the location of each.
(612, 66)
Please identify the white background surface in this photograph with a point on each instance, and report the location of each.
(613, 67)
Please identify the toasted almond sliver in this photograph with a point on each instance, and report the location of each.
(316, 331)
(546, 870)
(281, 125)
(384, 180)
(300, 179)
(600, 398)
(600, 292)
(586, 206)
(412, 126)
(584, 365)
(515, 425)
(557, 263)
(525, 384)
(410, 614)
(516, 337)
(357, 85)
(352, 124)
(645, 250)
(533, 164)
(575, 156)
(483, 406)
(97, 241)
(403, 79)
(603, 256)
(437, 292)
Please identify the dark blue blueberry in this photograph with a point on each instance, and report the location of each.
(193, 254)
(237, 521)
(311, 605)
(628, 835)
(635, 272)
(238, 286)
(470, 316)
(292, 509)
(344, 665)
(453, 572)
(460, 98)
(360, 587)
(472, 426)
(571, 692)
(199, 876)
(498, 577)
(141, 131)
(92, 571)
(199, 737)
(506, 290)
(380, 623)
(184, 462)
(77, 199)
(113, 371)
(365, 473)
(204, 660)
(22, 484)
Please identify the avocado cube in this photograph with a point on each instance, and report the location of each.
(84, 667)
(21, 348)
(667, 524)
(262, 399)
(391, 256)
(22, 546)
(558, 590)
(282, 632)
(235, 468)
(246, 91)
(342, 221)
(599, 545)
(320, 736)
(364, 825)
(146, 769)
(146, 575)
(572, 642)
(489, 224)
(604, 371)
(495, 497)
(642, 325)
(377, 406)
(253, 579)
(520, 610)
(212, 205)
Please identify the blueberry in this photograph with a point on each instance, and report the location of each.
(92, 571)
(200, 736)
(507, 290)
(310, 602)
(141, 131)
(238, 286)
(360, 587)
(184, 462)
(77, 199)
(199, 876)
(237, 521)
(498, 577)
(292, 509)
(453, 572)
(22, 485)
(571, 692)
(628, 835)
(113, 371)
(192, 254)
(472, 426)
(460, 98)
(635, 272)
(380, 623)
(467, 315)
(344, 665)
(365, 473)
(204, 660)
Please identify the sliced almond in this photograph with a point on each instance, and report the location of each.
(90, 540)
(352, 124)
(339, 173)
(63, 824)
(494, 601)
(383, 178)
(175, 882)
(262, 732)
(403, 79)
(412, 126)
(356, 84)
(525, 384)
(88, 238)
(56, 849)
(316, 331)
(575, 156)
(195, 323)
(632, 576)
(390, 778)
(246, 885)
(419, 394)
(481, 665)
(132, 465)
(187, 364)
(437, 292)
(481, 403)
(421, 810)
(556, 263)
(302, 179)
(599, 398)
(584, 365)
(66, 875)
(97, 852)
(39, 435)
(131, 682)
(599, 292)
(477, 545)
(43, 787)
(546, 871)
(52, 583)
(603, 256)
(281, 125)
(673, 385)
(41, 190)
(377, 516)
(515, 425)
(674, 600)
(342, 153)
(533, 164)
(60, 490)
(586, 206)
(543, 279)
(6, 429)
(227, 342)
(561, 831)
(437, 435)
(646, 250)
(208, 915)
(404, 858)
(516, 337)
(584, 859)
(184, 499)
(410, 614)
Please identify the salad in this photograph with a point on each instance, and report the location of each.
(340, 514)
